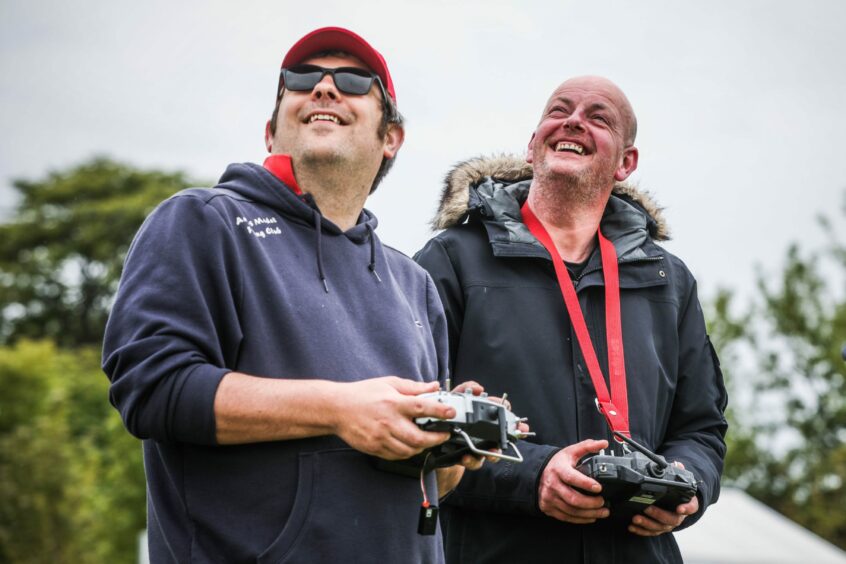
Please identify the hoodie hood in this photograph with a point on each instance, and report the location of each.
(258, 184)
(491, 185)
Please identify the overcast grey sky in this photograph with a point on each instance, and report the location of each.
(741, 105)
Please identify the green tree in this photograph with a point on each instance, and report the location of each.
(61, 255)
(788, 447)
(71, 477)
(728, 332)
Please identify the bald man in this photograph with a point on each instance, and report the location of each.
(518, 234)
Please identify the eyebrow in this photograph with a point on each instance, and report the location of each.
(560, 99)
(593, 106)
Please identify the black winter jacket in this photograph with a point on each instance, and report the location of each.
(509, 330)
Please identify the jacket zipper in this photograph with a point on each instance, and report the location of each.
(597, 269)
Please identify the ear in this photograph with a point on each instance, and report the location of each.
(529, 155)
(268, 137)
(628, 164)
(393, 141)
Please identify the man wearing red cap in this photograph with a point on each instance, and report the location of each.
(267, 346)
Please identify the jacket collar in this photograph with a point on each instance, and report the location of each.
(494, 188)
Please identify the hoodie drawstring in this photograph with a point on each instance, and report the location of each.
(319, 230)
(372, 265)
(319, 233)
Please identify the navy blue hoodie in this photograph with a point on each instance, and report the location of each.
(249, 277)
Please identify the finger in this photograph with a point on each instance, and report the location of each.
(471, 462)
(471, 385)
(571, 477)
(640, 531)
(494, 459)
(448, 478)
(566, 497)
(410, 387)
(562, 512)
(407, 432)
(391, 448)
(588, 446)
(664, 517)
(556, 513)
(414, 407)
(428, 439)
(523, 427)
(648, 524)
(689, 508)
(649, 527)
(505, 403)
(585, 483)
(570, 513)
(587, 514)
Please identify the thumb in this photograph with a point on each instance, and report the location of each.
(588, 446)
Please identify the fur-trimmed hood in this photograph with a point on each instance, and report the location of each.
(507, 169)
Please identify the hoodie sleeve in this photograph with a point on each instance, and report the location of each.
(697, 425)
(504, 486)
(174, 328)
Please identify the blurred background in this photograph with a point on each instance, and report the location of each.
(107, 108)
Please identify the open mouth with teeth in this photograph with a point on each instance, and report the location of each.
(566, 146)
(324, 117)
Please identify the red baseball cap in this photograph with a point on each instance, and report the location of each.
(338, 38)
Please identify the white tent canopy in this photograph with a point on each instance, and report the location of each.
(741, 529)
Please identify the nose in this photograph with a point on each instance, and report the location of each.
(574, 122)
(325, 88)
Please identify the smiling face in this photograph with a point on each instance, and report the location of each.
(328, 127)
(585, 135)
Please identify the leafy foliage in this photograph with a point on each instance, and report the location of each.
(61, 256)
(728, 331)
(790, 450)
(71, 477)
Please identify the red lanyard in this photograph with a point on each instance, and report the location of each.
(615, 407)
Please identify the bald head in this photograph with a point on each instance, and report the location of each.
(584, 139)
(610, 92)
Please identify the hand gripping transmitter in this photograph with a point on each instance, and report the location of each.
(635, 480)
(480, 426)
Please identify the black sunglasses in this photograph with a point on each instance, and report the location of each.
(349, 80)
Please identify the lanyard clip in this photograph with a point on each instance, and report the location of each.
(612, 411)
(612, 417)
